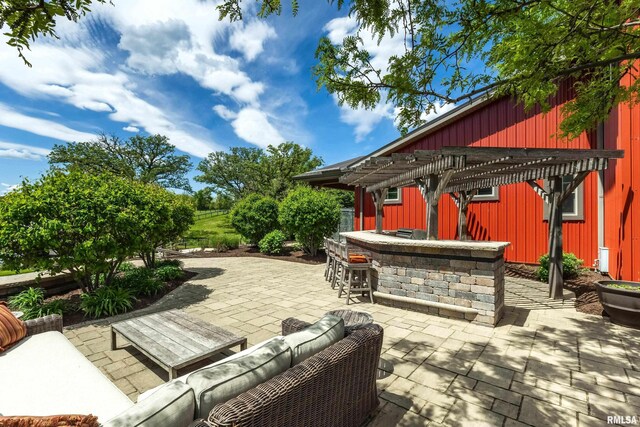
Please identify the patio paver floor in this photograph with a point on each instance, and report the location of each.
(545, 364)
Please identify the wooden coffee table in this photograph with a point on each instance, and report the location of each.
(174, 340)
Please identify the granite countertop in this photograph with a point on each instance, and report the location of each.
(389, 240)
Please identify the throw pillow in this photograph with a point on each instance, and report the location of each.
(50, 421)
(358, 259)
(309, 341)
(12, 329)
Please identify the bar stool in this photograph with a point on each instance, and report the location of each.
(355, 273)
(336, 264)
(328, 249)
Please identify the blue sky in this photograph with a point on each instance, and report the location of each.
(168, 67)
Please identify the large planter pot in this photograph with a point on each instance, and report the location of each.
(622, 305)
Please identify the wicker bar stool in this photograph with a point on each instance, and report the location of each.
(355, 273)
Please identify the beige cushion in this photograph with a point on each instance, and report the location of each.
(322, 334)
(45, 374)
(171, 405)
(226, 379)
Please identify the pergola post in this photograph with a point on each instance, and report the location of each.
(379, 197)
(555, 198)
(556, 281)
(462, 200)
(432, 207)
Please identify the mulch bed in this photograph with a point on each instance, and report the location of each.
(289, 254)
(74, 315)
(583, 286)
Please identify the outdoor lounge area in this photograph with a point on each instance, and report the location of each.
(543, 364)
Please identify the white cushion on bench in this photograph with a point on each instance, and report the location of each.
(309, 341)
(236, 374)
(172, 405)
(45, 374)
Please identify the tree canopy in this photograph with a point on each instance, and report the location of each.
(148, 159)
(242, 171)
(453, 51)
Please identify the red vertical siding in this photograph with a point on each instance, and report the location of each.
(518, 216)
(622, 186)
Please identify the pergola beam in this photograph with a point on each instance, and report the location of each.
(560, 169)
(409, 177)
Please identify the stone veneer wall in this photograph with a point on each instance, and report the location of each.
(465, 284)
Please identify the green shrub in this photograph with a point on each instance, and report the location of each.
(31, 303)
(272, 243)
(91, 222)
(171, 262)
(107, 301)
(571, 266)
(126, 266)
(254, 216)
(140, 281)
(148, 287)
(310, 215)
(224, 242)
(167, 273)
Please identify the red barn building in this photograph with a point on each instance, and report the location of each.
(602, 212)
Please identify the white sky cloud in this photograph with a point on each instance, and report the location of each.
(16, 120)
(224, 112)
(249, 38)
(9, 150)
(160, 37)
(363, 120)
(252, 125)
(5, 188)
(131, 129)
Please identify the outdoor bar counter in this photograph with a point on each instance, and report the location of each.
(447, 278)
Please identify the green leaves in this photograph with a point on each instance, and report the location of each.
(310, 215)
(243, 171)
(454, 51)
(88, 224)
(255, 216)
(148, 159)
(272, 243)
(107, 301)
(28, 19)
(31, 303)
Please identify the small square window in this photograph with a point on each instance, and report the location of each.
(572, 208)
(394, 196)
(487, 194)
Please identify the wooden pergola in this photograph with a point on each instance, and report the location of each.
(462, 171)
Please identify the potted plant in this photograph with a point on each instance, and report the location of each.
(621, 300)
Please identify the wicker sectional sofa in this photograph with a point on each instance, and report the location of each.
(335, 386)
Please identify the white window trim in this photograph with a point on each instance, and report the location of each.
(578, 214)
(397, 201)
(494, 196)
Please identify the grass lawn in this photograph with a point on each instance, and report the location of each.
(12, 272)
(209, 231)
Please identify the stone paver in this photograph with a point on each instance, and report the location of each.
(544, 364)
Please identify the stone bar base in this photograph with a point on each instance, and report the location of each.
(447, 278)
